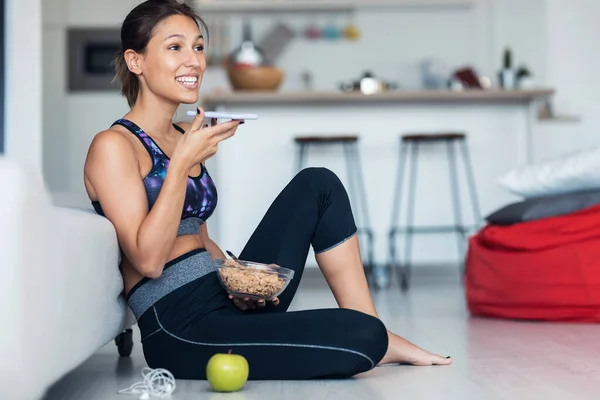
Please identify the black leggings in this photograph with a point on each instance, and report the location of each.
(182, 330)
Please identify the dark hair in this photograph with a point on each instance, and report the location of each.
(136, 32)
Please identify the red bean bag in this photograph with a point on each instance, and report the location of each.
(547, 270)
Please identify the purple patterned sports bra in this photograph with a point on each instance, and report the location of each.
(201, 194)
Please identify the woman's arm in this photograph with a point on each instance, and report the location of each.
(212, 248)
(147, 238)
(112, 170)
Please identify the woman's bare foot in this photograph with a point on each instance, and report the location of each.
(401, 351)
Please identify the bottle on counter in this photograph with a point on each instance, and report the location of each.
(508, 74)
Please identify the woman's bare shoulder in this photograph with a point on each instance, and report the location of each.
(110, 144)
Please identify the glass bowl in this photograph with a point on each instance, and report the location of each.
(253, 280)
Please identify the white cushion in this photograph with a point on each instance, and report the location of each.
(60, 285)
(572, 172)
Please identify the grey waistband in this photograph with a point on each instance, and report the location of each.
(177, 273)
(190, 226)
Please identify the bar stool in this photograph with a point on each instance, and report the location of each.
(410, 144)
(356, 189)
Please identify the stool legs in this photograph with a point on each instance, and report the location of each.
(410, 229)
(357, 188)
(404, 267)
(471, 183)
(348, 158)
(459, 228)
(300, 156)
(396, 207)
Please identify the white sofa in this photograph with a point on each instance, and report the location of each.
(60, 287)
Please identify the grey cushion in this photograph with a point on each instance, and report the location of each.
(544, 207)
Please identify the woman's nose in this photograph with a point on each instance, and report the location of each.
(192, 60)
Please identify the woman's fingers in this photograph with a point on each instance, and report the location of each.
(238, 303)
(251, 304)
(224, 130)
(198, 119)
(241, 305)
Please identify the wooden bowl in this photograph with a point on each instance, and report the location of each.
(255, 78)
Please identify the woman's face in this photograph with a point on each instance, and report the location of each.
(174, 62)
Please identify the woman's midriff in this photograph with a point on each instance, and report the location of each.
(183, 244)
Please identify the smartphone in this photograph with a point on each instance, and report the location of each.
(224, 115)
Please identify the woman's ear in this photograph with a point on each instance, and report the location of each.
(133, 61)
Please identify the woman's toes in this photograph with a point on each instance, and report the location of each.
(439, 360)
(404, 352)
(427, 359)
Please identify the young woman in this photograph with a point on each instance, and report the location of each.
(147, 176)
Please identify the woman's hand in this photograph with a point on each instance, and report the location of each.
(200, 143)
(251, 304)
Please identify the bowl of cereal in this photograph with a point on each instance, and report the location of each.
(253, 280)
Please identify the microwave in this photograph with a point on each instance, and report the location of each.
(91, 53)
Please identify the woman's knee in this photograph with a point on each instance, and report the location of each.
(378, 339)
(319, 179)
(369, 335)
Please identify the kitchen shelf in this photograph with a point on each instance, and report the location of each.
(560, 118)
(396, 96)
(264, 6)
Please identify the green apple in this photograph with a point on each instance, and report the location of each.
(227, 372)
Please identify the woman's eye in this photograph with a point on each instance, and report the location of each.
(174, 47)
(200, 48)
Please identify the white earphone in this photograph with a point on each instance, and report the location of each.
(157, 382)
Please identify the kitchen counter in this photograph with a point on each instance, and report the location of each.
(251, 168)
(250, 98)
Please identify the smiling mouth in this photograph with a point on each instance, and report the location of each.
(190, 82)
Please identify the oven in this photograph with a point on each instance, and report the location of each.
(91, 53)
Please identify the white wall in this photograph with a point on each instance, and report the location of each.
(572, 30)
(553, 37)
(23, 93)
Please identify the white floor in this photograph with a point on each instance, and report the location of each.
(492, 359)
